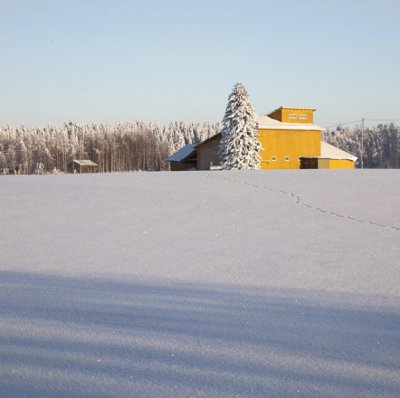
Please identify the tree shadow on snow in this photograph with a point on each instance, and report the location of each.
(70, 337)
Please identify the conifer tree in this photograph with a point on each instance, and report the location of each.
(239, 147)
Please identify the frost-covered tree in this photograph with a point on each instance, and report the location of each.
(381, 147)
(123, 146)
(3, 162)
(239, 147)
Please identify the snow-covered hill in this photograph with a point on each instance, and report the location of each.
(219, 284)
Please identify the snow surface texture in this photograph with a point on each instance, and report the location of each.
(239, 147)
(205, 284)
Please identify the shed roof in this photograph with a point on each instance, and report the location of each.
(182, 153)
(84, 162)
(329, 151)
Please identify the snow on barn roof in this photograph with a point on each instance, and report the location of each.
(84, 162)
(182, 153)
(266, 122)
(302, 108)
(331, 152)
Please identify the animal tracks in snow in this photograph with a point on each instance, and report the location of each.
(297, 200)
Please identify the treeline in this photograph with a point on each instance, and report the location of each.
(130, 146)
(380, 148)
(134, 146)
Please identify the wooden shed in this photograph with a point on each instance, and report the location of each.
(335, 158)
(82, 166)
(207, 153)
(331, 158)
(185, 159)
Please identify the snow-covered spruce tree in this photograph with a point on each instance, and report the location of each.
(239, 148)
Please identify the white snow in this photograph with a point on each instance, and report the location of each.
(266, 122)
(331, 152)
(182, 153)
(207, 284)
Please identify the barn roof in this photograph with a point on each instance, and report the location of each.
(266, 122)
(294, 108)
(182, 153)
(329, 151)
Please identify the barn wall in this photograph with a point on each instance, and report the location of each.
(293, 115)
(88, 169)
(323, 163)
(297, 115)
(177, 166)
(283, 148)
(341, 164)
(207, 153)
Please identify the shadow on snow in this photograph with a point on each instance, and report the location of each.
(62, 336)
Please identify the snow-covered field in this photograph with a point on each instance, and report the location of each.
(220, 284)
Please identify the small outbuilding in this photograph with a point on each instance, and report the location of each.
(331, 158)
(82, 166)
(185, 159)
(335, 158)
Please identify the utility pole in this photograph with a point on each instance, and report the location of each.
(362, 143)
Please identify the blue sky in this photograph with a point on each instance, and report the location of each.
(107, 61)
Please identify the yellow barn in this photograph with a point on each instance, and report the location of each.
(286, 135)
(289, 138)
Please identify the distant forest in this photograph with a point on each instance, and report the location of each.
(130, 146)
(134, 146)
(381, 144)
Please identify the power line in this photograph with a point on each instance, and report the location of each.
(344, 124)
(383, 120)
(361, 120)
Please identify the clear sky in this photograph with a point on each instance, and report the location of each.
(107, 61)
